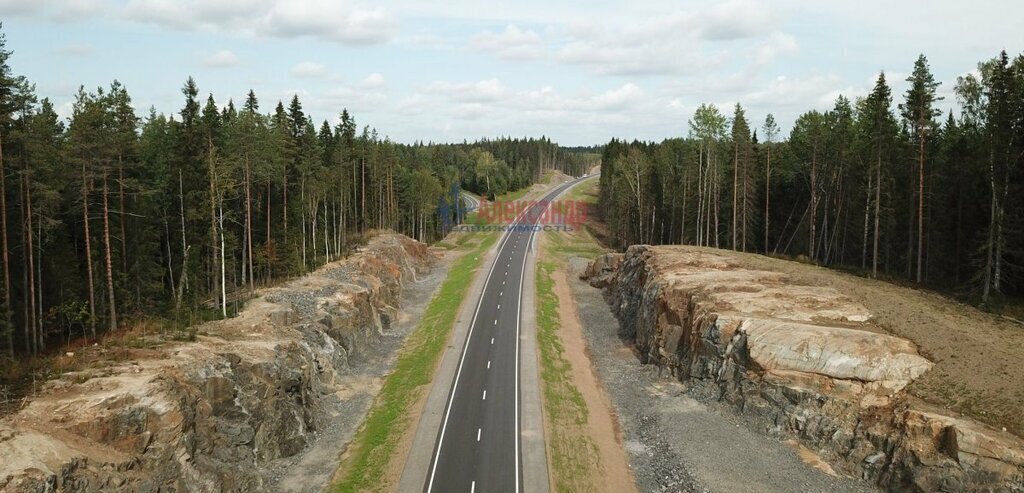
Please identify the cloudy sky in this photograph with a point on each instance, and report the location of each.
(579, 71)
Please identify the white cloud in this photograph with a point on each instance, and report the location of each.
(75, 50)
(220, 59)
(481, 91)
(307, 70)
(337, 21)
(778, 44)
(736, 19)
(373, 81)
(511, 44)
(61, 11)
(412, 105)
(470, 111)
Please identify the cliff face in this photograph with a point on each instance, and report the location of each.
(210, 415)
(806, 361)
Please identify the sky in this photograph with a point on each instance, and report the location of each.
(577, 71)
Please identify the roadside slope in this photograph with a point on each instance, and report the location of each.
(227, 412)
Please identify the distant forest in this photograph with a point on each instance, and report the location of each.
(108, 218)
(891, 189)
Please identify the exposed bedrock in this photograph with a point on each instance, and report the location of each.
(210, 415)
(806, 361)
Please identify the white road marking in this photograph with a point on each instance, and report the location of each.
(485, 395)
(478, 434)
(495, 321)
(499, 304)
(488, 364)
(458, 373)
(499, 293)
(531, 246)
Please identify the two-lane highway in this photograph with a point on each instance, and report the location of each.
(478, 445)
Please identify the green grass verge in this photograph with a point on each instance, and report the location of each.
(376, 441)
(574, 455)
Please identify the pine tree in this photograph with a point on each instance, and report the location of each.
(920, 114)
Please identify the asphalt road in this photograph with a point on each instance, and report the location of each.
(478, 445)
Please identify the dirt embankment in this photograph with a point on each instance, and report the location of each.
(224, 413)
(809, 358)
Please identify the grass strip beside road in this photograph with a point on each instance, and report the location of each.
(389, 419)
(574, 455)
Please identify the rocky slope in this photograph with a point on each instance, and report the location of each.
(211, 415)
(806, 362)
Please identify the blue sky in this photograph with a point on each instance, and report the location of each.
(580, 72)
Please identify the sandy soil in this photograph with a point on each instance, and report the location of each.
(602, 425)
(978, 356)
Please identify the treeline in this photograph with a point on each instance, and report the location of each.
(108, 218)
(899, 191)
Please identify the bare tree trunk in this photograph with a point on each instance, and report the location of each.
(920, 210)
(878, 213)
(302, 200)
(248, 223)
(170, 260)
(867, 222)
(767, 195)
(30, 290)
(88, 250)
(327, 243)
(735, 188)
(120, 191)
(6, 260)
(108, 260)
(362, 193)
(284, 205)
(223, 274)
(812, 244)
(270, 249)
(183, 284)
(211, 169)
(990, 241)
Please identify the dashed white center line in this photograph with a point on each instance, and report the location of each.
(472, 487)
(478, 434)
(499, 304)
(485, 395)
(495, 321)
(506, 273)
(492, 340)
(488, 364)
(499, 293)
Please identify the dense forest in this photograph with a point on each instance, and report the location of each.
(888, 188)
(108, 218)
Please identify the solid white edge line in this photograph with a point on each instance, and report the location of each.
(462, 360)
(522, 275)
(465, 348)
